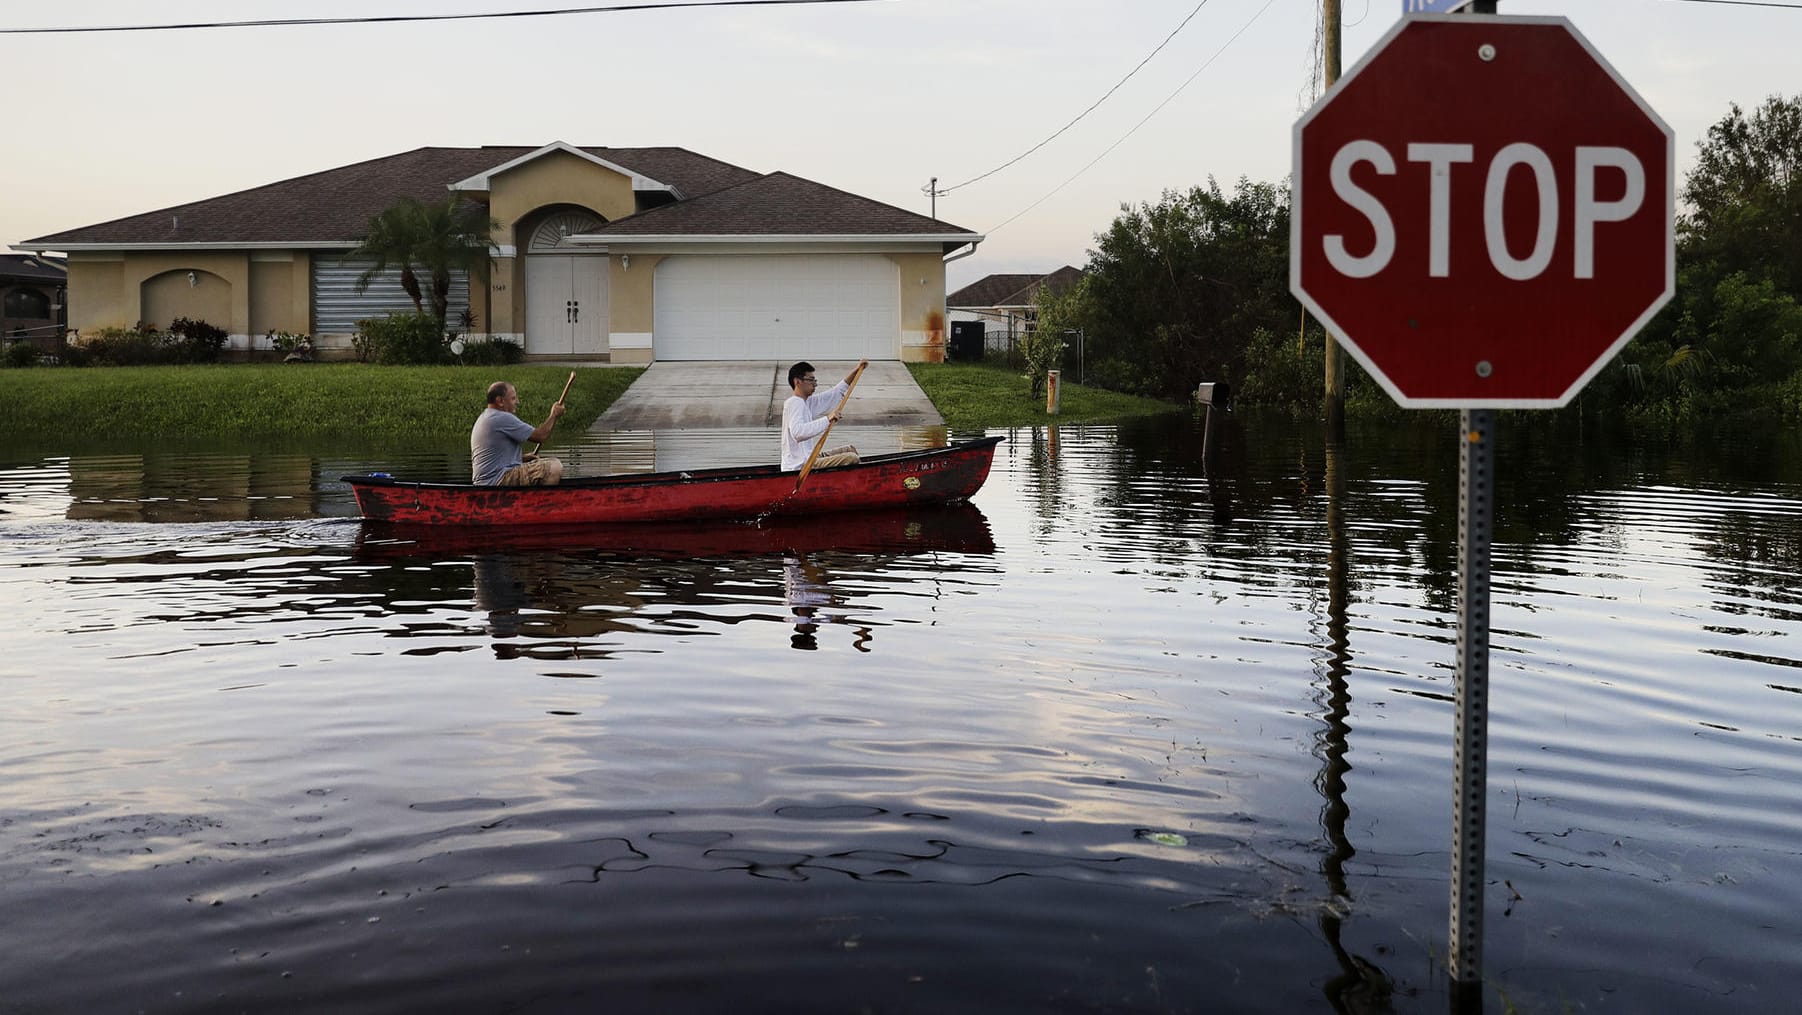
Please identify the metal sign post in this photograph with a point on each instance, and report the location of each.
(1470, 744)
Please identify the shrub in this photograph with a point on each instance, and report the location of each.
(20, 354)
(193, 341)
(286, 342)
(490, 352)
(125, 347)
(1043, 349)
(407, 339)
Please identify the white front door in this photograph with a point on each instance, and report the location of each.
(566, 305)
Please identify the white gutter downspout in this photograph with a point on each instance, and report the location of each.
(966, 253)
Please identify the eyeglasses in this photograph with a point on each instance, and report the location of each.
(809, 379)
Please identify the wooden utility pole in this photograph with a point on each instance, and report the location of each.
(1333, 399)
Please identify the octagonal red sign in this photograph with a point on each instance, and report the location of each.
(1483, 212)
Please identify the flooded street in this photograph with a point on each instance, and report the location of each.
(1127, 733)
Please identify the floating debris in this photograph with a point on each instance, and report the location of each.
(1163, 838)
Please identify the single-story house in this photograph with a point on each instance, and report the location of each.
(1007, 304)
(31, 300)
(621, 254)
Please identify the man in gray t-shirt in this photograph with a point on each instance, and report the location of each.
(495, 440)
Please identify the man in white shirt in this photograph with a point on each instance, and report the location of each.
(803, 422)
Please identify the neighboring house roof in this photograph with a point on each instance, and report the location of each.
(32, 268)
(778, 204)
(989, 290)
(1011, 290)
(334, 207)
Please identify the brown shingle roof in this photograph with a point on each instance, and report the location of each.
(1057, 281)
(335, 206)
(1011, 290)
(778, 204)
(988, 290)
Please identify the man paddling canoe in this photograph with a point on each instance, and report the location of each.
(494, 443)
(802, 421)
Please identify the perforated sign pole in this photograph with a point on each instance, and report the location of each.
(1470, 744)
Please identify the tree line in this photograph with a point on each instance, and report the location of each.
(1196, 287)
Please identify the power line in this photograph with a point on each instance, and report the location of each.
(396, 18)
(1085, 112)
(1179, 89)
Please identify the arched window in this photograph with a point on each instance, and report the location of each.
(551, 234)
(28, 303)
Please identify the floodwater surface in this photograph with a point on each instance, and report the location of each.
(1131, 732)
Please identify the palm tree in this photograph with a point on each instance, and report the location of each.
(435, 240)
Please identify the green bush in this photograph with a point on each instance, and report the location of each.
(193, 341)
(1044, 350)
(286, 342)
(1283, 371)
(20, 354)
(409, 339)
(490, 352)
(125, 347)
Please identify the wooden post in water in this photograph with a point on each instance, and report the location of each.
(1051, 391)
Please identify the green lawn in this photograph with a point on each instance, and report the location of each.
(346, 401)
(337, 400)
(978, 396)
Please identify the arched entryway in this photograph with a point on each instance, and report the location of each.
(566, 290)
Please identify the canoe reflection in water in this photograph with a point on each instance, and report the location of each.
(564, 592)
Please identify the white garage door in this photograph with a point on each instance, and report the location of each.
(777, 306)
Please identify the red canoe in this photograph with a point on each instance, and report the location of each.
(932, 476)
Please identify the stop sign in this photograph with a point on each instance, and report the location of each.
(1483, 212)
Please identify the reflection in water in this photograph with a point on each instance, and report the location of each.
(550, 592)
(501, 592)
(1360, 985)
(811, 602)
(191, 487)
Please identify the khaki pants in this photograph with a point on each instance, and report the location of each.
(537, 472)
(831, 458)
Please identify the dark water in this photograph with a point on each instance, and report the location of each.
(1126, 735)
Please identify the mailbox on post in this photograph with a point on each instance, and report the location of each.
(1211, 395)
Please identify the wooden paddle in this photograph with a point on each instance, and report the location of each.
(805, 469)
(560, 398)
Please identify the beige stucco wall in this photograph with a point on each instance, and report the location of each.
(631, 289)
(96, 292)
(922, 297)
(109, 293)
(272, 285)
(248, 293)
(631, 306)
(193, 293)
(556, 178)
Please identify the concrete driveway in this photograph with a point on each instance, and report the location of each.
(738, 395)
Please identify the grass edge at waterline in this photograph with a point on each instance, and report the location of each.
(431, 403)
(977, 396)
(289, 401)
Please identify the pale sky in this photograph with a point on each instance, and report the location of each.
(874, 98)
